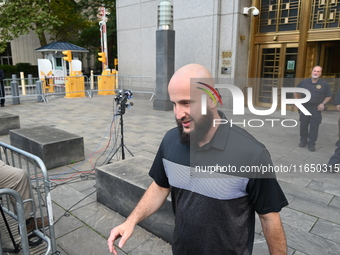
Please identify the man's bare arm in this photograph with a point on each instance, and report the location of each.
(274, 233)
(151, 201)
(321, 106)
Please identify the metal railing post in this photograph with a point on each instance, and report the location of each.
(15, 92)
(91, 81)
(39, 90)
(30, 79)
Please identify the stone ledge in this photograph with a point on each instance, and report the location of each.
(120, 186)
(55, 147)
(8, 122)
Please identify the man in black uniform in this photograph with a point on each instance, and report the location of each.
(214, 211)
(320, 95)
(2, 88)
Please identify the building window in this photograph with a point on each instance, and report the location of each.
(325, 14)
(6, 56)
(279, 15)
(270, 73)
(58, 63)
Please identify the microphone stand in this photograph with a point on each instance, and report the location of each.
(121, 112)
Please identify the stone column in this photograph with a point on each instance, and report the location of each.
(165, 66)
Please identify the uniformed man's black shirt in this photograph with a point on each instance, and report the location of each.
(318, 90)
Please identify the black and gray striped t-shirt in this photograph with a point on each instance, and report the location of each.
(215, 212)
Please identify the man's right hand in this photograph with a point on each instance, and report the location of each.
(123, 231)
(338, 107)
(151, 201)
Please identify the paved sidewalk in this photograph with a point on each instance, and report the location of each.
(311, 221)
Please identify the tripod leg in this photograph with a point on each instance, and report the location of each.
(16, 246)
(128, 151)
(109, 159)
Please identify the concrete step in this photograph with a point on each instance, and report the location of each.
(55, 147)
(120, 185)
(8, 122)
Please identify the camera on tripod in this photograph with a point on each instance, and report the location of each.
(121, 100)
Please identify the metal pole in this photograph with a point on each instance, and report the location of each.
(39, 90)
(103, 36)
(15, 92)
(30, 79)
(91, 81)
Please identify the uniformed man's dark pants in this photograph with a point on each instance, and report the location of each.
(2, 93)
(309, 125)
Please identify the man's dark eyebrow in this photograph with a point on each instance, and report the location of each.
(184, 101)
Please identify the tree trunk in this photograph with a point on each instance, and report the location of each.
(42, 38)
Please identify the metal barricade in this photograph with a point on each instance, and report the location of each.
(138, 84)
(66, 86)
(17, 89)
(40, 197)
(6, 195)
(76, 86)
(54, 84)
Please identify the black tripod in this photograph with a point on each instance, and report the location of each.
(16, 248)
(121, 100)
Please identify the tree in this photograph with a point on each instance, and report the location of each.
(19, 17)
(90, 36)
(74, 21)
(59, 19)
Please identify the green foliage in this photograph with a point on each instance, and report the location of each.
(73, 21)
(90, 36)
(27, 68)
(8, 70)
(18, 17)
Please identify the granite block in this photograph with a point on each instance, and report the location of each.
(8, 122)
(121, 185)
(55, 147)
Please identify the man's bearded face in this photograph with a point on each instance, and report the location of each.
(202, 126)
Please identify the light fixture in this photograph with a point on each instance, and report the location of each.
(255, 11)
(165, 15)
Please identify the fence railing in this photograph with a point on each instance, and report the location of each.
(40, 186)
(75, 86)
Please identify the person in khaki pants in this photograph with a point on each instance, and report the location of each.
(18, 180)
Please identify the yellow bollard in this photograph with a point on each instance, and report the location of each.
(23, 85)
(51, 85)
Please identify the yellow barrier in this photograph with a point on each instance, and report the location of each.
(48, 86)
(74, 85)
(107, 83)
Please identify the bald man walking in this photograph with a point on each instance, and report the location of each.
(214, 211)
